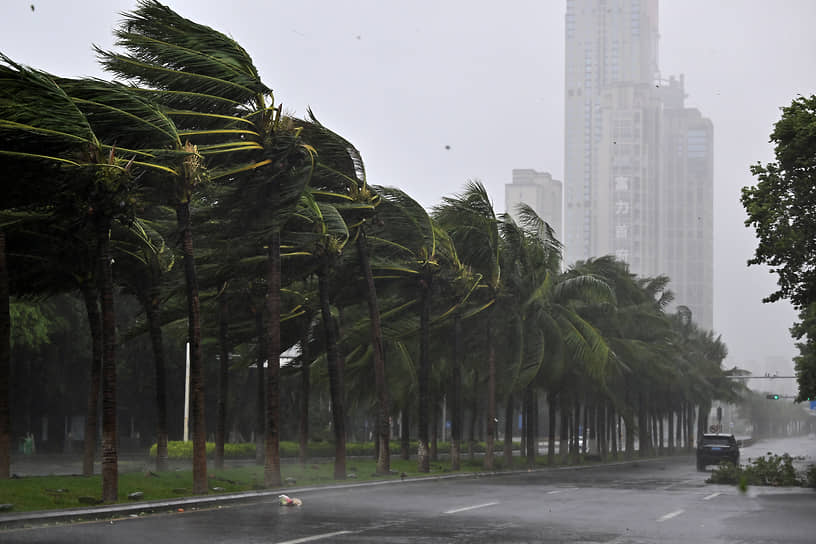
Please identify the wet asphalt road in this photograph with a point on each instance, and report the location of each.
(651, 501)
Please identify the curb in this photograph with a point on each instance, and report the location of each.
(136, 509)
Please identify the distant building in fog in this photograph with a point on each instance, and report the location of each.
(638, 164)
(541, 192)
(686, 221)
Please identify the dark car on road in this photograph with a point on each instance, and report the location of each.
(715, 448)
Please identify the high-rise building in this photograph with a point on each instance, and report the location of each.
(611, 62)
(541, 192)
(638, 171)
(686, 245)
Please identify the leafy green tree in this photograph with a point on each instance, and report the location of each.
(781, 208)
(805, 363)
(782, 205)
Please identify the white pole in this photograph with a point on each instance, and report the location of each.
(187, 396)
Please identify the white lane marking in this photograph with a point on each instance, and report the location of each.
(457, 510)
(708, 498)
(670, 515)
(557, 491)
(315, 537)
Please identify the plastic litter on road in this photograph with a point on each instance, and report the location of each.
(286, 500)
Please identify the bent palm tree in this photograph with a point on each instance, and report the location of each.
(63, 122)
(472, 224)
(210, 87)
(340, 178)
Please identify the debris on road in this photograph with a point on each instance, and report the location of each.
(286, 500)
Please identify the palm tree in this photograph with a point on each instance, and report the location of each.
(340, 179)
(543, 306)
(474, 228)
(142, 261)
(82, 115)
(209, 85)
(417, 257)
(319, 232)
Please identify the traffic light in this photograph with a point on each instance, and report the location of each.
(772, 397)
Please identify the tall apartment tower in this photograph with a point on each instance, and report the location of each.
(686, 222)
(611, 63)
(635, 174)
(541, 192)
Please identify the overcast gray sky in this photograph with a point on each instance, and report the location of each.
(404, 79)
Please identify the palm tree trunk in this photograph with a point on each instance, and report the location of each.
(585, 426)
(690, 438)
(434, 428)
(702, 420)
(474, 417)
(630, 437)
(600, 434)
(260, 390)
(223, 382)
(405, 435)
(576, 432)
(679, 437)
(491, 393)
(508, 432)
(376, 440)
(423, 461)
(524, 424)
(91, 297)
(196, 366)
(671, 432)
(551, 413)
(272, 473)
(660, 445)
(152, 312)
(563, 446)
(613, 432)
(653, 416)
(5, 364)
(456, 396)
(383, 426)
(529, 432)
(305, 386)
(110, 456)
(643, 428)
(536, 424)
(335, 376)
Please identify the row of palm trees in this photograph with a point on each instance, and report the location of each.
(184, 185)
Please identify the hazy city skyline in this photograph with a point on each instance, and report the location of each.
(638, 161)
(434, 94)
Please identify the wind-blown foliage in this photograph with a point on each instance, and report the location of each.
(295, 249)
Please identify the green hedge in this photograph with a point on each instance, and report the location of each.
(246, 450)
